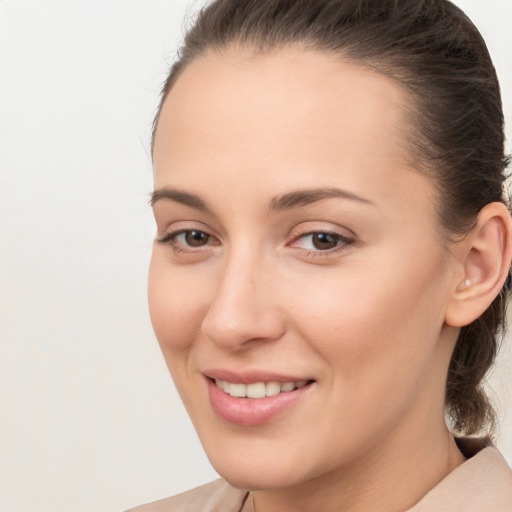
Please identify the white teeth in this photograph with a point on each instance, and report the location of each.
(258, 389)
(236, 389)
(272, 388)
(287, 386)
(222, 384)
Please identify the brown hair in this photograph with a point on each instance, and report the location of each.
(435, 52)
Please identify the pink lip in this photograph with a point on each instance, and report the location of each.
(252, 376)
(249, 412)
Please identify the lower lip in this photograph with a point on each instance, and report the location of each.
(250, 412)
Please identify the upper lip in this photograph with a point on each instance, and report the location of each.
(251, 376)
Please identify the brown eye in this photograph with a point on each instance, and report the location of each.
(324, 241)
(196, 238)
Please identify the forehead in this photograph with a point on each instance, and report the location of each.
(290, 112)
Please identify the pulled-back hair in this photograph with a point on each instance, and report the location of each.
(456, 126)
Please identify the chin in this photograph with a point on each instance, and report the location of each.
(253, 479)
(261, 474)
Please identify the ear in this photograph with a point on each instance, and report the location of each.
(484, 259)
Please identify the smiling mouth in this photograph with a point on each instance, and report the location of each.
(259, 389)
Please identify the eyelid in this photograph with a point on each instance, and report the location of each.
(341, 237)
(308, 228)
(176, 232)
(171, 223)
(168, 226)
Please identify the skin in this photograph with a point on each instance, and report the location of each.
(366, 320)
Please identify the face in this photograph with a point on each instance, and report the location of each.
(299, 280)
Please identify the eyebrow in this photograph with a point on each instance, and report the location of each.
(296, 199)
(301, 198)
(179, 196)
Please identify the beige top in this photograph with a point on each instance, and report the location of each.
(482, 484)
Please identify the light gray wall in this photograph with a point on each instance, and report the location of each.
(89, 419)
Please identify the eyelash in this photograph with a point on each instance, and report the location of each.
(170, 239)
(342, 242)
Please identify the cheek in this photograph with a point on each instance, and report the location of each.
(176, 304)
(377, 336)
(368, 320)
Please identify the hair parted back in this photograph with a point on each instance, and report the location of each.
(456, 127)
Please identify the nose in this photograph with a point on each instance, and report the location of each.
(243, 308)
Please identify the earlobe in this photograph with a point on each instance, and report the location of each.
(485, 262)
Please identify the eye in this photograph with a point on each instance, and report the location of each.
(195, 238)
(321, 241)
(187, 239)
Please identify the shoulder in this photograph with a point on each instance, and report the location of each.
(483, 482)
(217, 496)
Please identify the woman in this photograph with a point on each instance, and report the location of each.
(329, 275)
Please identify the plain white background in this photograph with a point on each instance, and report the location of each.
(90, 421)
